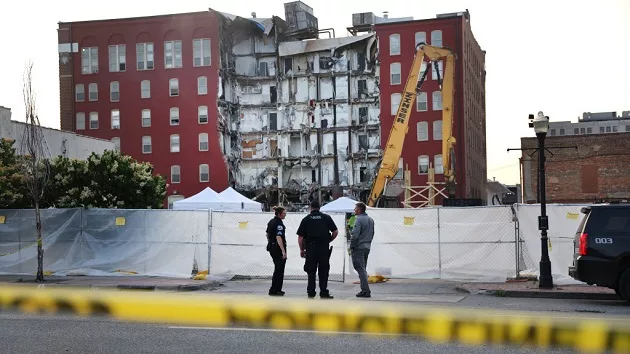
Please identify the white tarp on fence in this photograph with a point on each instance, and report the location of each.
(468, 244)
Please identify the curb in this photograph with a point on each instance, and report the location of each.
(536, 294)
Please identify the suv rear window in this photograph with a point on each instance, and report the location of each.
(609, 220)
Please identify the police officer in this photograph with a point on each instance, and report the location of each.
(316, 231)
(277, 247)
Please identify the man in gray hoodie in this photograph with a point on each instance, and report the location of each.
(360, 243)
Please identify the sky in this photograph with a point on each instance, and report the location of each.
(562, 57)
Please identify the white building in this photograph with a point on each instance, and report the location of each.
(592, 123)
(59, 142)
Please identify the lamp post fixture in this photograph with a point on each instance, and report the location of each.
(541, 126)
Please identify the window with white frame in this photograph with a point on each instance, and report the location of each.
(174, 115)
(422, 102)
(114, 91)
(93, 92)
(204, 173)
(437, 130)
(202, 114)
(117, 58)
(395, 102)
(79, 93)
(202, 85)
(174, 142)
(201, 52)
(173, 87)
(394, 44)
(93, 120)
(116, 141)
(437, 100)
(146, 118)
(144, 56)
(421, 37)
(436, 38)
(145, 89)
(434, 73)
(394, 74)
(172, 54)
(423, 68)
(203, 142)
(80, 124)
(115, 119)
(175, 174)
(422, 131)
(423, 164)
(89, 60)
(147, 146)
(438, 166)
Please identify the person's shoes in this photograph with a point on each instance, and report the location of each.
(276, 293)
(363, 294)
(312, 296)
(326, 296)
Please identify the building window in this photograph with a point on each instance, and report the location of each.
(79, 92)
(202, 114)
(145, 89)
(89, 60)
(437, 130)
(117, 58)
(202, 85)
(422, 102)
(394, 73)
(93, 120)
(615, 128)
(608, 129)
(204, 173)
(115, 119)
(562, 131)
(288, 65)
(175, 174)
(146, 145)
(144, 56)
(201, 52)
(434, 72)
(173, 85)
(423, 68)
(628, 128)
(582, 130)
(421, 37)
(553, 132)
(80, 125)
(437, 100)
(395, 102)
(423, 164)
(394, 44)
(172, 54)
(576, 131)
(116, 141)
(174, 116)
(146, 117)
(589, 130)
(203, 142)
(114, 91)
(93, 92)
(602, 130)
(422, 131)
(436, 38)
(438, 165)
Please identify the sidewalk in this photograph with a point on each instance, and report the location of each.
(529, 289)
(116, 282)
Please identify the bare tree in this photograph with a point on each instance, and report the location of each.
(35, 161)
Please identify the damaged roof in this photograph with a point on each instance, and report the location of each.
(318, 45)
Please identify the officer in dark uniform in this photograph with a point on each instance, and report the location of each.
(316, 231)
(277, 247)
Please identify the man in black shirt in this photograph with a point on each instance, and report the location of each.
(277, 247)
(316, 231)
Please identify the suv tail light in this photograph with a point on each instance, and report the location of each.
(583, 237)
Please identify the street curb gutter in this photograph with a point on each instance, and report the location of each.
(544, 294)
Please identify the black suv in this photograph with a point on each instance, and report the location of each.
(602, 248)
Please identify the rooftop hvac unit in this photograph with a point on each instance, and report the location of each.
(363, 18)
(299, 17)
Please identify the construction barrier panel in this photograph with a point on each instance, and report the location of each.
(467, 326)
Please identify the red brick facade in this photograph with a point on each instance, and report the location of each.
(597, 171)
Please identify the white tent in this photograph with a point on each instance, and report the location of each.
(340, 205)
(206, 199)
(237, 201)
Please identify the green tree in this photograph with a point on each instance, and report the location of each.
(13, 193)
(110, 180)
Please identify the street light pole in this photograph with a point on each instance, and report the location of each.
(541, 126)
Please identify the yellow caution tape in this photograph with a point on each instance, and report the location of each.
(468, 326)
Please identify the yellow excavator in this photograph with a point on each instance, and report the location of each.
(396, 139)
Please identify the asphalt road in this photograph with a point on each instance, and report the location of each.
(46, 334)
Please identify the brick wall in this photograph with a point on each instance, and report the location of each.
(66, 81)
(598, 170)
